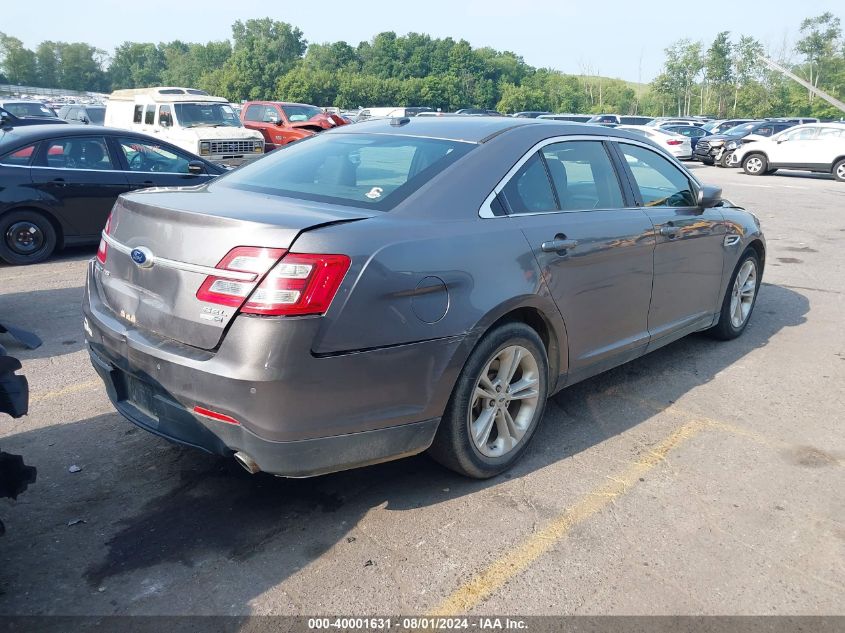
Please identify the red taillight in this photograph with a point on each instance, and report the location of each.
(103, 249)
(673, 141)
(299, 284)
(227, 291)
(220, 417)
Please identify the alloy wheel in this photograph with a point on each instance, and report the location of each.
(742, 295)
(754, 165)
(840, 171)
(504, 401)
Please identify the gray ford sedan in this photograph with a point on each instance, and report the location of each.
(405, 285)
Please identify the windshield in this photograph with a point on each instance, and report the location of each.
(206, 115)
(740, 130)
(296, 113)
(363, 170)
(97, 116)
(29, 109)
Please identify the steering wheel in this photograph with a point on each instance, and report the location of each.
(137, 162)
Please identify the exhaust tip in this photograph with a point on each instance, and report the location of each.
(247, 463)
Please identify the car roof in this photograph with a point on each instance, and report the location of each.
(17, 136)
(456, 128)
(477, 129)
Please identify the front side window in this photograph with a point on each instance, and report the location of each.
(529, 190)
(165, 116)
(88, 152)
(271, 115)
(583, 176)
(766, 130)
(800, 134)
(150, 157)
(363, 170)
(296, 113)
(660, 183)
(139, 114)
(20, 157)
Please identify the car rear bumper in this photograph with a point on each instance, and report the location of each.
(294, 413)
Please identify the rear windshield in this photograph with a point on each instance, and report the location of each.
(97, 116)
(362, 170)
(29, 109)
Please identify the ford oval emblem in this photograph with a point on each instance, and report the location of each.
(142, 257)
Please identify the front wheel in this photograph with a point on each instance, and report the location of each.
(708, 161)
(724, 161)
(740, 297)
(496, 405)
(839, 170)
(26, 237)
(755, 165)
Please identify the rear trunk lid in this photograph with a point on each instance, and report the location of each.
(183, 234)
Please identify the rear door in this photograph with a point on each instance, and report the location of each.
(689, 252)
(595, 251)
(81, 173)
(151, 164)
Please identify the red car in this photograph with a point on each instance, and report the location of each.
(282, 123)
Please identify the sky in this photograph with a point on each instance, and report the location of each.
(607, 37)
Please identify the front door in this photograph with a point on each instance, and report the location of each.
(594, 253)
(689, 254)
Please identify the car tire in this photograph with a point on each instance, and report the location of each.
(723, 161)
(755, 165)
(708, 161)
(734, 317)
(839, 170)
(469, 439)
(26, 237)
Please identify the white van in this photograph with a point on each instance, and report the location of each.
(188, 118)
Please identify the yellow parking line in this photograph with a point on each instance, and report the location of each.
(472, 593)
(80, 386)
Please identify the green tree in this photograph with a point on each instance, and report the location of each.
(263, 51)
(137, 65)
(82, 67)
(718, 73)
(48, 62)
(820, 45)
(17, 62)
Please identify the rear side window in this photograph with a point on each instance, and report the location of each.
(529, 190)
(20, 157)
(660, 183)
(79, 152)
(583, 176)
(829, 132)
(150, 114)
(362, 170)
(254, 113)
(139, 113)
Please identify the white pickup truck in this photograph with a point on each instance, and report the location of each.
(189, 118)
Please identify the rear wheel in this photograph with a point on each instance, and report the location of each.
(839, 170)
(496, 405)
(26, 237)
(740, 297)
(755, 165)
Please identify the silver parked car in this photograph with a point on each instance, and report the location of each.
(408, 284)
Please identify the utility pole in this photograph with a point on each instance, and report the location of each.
(819, 93)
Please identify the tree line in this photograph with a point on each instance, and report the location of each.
(268, 59)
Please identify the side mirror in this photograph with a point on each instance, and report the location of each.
(709, 196)
(5, 118)
(197, 168)
(83, 119)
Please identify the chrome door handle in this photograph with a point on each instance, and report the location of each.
(557, 245)
(670, 231)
